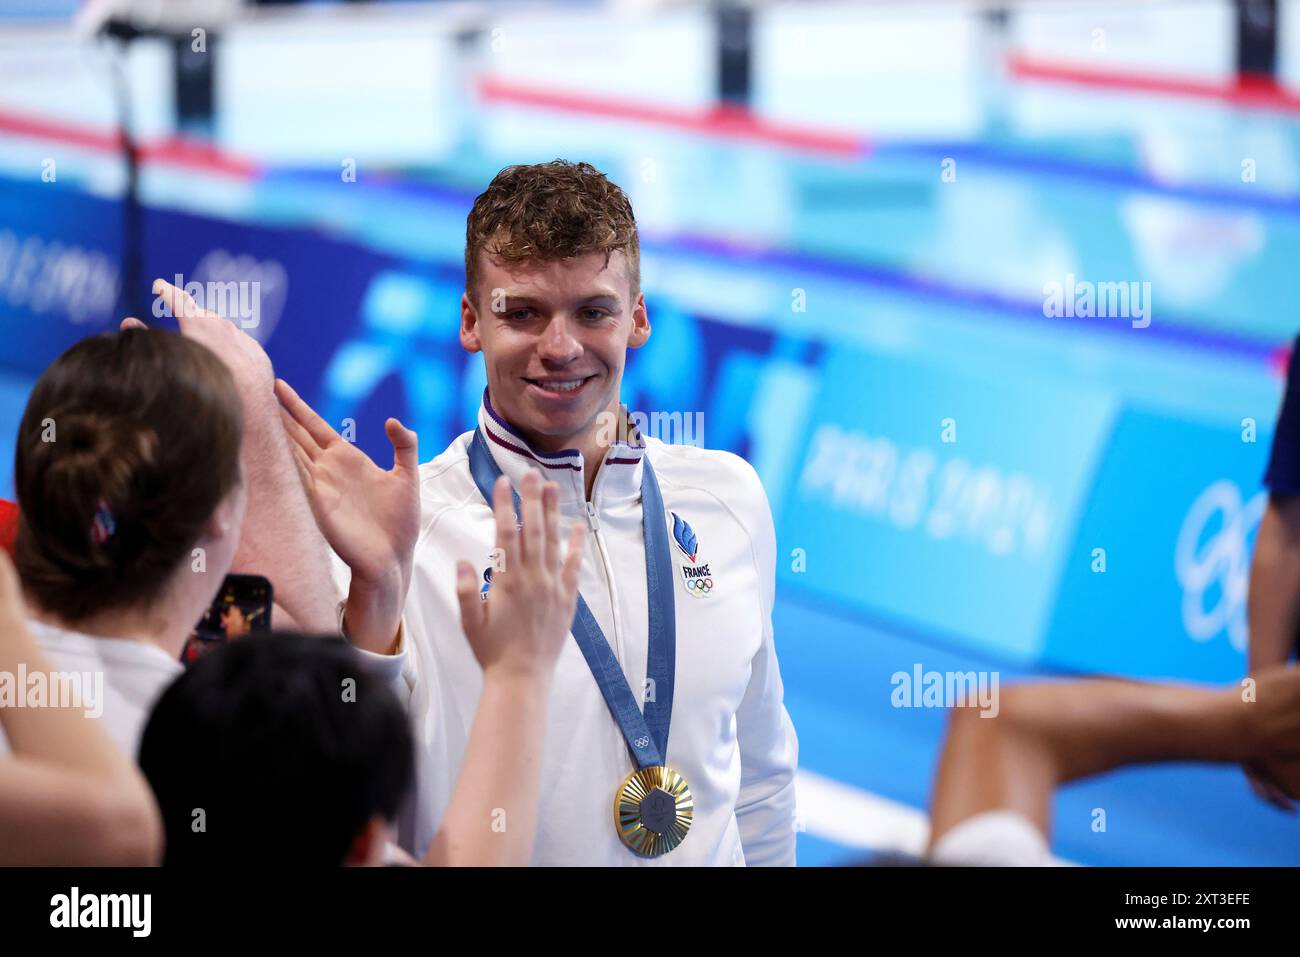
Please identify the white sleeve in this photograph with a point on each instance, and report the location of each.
(994, 839)
(769, 750)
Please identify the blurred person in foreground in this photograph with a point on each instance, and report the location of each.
(325, 745)
(131, 501)
(278, 741)
(674, 623)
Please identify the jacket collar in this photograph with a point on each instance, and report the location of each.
(619, 477)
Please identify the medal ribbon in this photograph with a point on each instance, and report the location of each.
(646, 734)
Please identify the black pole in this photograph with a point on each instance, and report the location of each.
(131, 299)
(194, 81)
(1257, 38)
(735, 52)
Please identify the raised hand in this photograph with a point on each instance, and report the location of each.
(279, 537)
(516, 633)
(369, 516)
(524, 621)
(243, 354)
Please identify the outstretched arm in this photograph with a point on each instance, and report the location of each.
(1048, 733)
(516, 633)
(67, 795)
(369, 516)
(279, 538)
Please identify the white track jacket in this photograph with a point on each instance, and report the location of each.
(730, 735)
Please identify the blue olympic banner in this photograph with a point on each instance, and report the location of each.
(1155, 582)
(59, 261)
(939, 500)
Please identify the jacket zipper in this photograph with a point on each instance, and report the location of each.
(593, 521)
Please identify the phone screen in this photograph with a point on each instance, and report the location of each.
(241, 607)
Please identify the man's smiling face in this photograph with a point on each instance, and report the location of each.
(554, 337)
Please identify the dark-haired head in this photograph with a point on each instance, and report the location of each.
(284, 746)
(127, 460)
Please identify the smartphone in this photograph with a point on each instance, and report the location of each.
(241, 607)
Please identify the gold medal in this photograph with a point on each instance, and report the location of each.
(653, 809)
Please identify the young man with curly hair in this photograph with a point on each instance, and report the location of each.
(666, 739)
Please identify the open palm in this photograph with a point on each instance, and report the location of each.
(523, 621)
(369, 516)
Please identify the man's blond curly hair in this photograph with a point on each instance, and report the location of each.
(548, 212)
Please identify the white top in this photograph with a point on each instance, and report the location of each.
(994, 839)
(130, 674)
(730, 735)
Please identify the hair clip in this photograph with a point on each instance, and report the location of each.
(103, 525)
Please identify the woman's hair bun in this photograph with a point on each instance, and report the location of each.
(128, 444)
